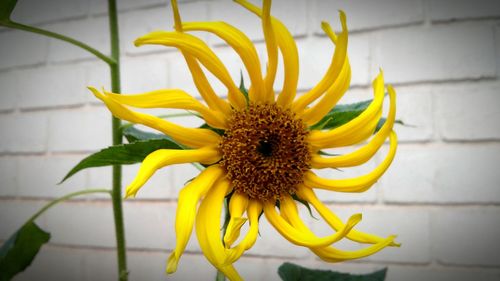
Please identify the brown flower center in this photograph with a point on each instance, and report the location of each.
(265, 152)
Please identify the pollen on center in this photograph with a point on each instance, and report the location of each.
(265, 152)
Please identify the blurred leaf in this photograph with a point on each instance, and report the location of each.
(20, 249)
(293, 272)
(132, 134)
(242, 87)
(6, 8)
(341, 114)
(122, 154)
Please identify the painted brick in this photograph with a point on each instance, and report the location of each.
(180, 175)
(443, 10)
(100, 265)
(435, 53)
(141, 75)
(82, 223)
(20, 48)
(94, 32)
(497, 43)
(55, 264)
(468, 112)
(38, 176)
(443, 174)
(292, 13)
(362, 15)
(453, 230)
(52, 86)
(150, 225)
(15, 213)
(410, 225)
(415, 107)
(100, 7)
(8, 98)
(141, 22)
(315, 57)
(151, 266)
(8, 179)
(33, 11)
(97, 75)
(25, 132)
(396, 273)
(89, 129)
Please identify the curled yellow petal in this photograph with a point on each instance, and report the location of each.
(300, 237)
(189, 197)
(357, 129)
(333, 94)
(172, 98)
(237, 206)
(241, 44)
(366, 152)
(334, 69)
(199, 50)
(358, 184)
(192, 137)
(331, 254)
(288, 49)
(208, 223)
(164, 157)
(333, 220)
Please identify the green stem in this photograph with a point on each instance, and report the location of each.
(64, 198)
(117, 139)
(70, 40)
(220, 276)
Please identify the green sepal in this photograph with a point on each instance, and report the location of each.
(244, 90)
(293, 272)
(305, 203)
(20, 249)
(6, 8)
(122, 154)
(220, 132)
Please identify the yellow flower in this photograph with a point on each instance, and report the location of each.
(265, 155)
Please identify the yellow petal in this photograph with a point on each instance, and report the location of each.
(186, 210)
(315, 113)
(199, 50)
(164, 157)
(334, 69)
(241, 44)
(333, 220)
(366, 152)
(253, 211)
(272, 50)
(288, 49)
(208, 223)
(331, 254)
(171, 98)
(358, 184)
(191, 137)
(237, 206)
(356, 129)
(300, 237)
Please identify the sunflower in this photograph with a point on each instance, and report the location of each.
(259, 148)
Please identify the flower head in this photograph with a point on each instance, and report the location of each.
(268, 146)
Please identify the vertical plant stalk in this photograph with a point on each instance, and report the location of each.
(117, 139)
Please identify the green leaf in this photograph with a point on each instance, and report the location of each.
(293, 272)
(6, 8)
(122, 154)
(20, 249)
(305, 203)
(341, 114)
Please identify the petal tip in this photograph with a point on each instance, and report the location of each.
(172, 263)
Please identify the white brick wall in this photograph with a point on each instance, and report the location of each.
(441, 195)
